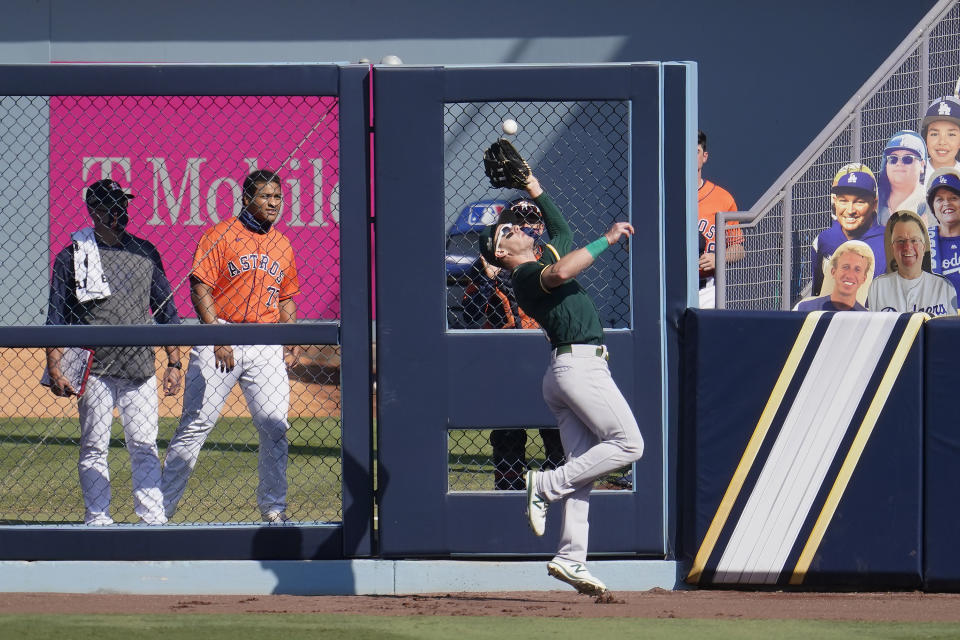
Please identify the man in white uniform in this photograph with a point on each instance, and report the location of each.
(132, 288)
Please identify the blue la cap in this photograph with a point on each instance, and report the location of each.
(947, 178)
(945, 108)
(855, 177)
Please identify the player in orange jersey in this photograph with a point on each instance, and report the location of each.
(712, 199)
(243, 271)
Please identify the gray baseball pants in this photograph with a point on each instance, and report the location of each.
(599, 434)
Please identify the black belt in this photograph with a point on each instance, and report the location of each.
(568, 348)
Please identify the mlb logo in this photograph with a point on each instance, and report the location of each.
(484, 214)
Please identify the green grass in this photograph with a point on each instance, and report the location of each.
(356, 627)
(469, 461)
(38, 472)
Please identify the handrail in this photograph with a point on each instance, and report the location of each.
(862, 95)
(720, 274)
(848, 116)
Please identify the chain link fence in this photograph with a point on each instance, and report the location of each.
(580, 153)
(779, 231)
(184, 159)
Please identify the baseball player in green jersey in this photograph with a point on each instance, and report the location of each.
(597, 427)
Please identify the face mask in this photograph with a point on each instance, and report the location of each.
(250, 222)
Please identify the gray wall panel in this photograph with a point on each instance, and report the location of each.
(24, 136)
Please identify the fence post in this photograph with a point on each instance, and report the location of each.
(855, 152)
(786, 256)
(720, 270)
(924, 71)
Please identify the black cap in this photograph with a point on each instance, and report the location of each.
(106, 193)
(487, 242)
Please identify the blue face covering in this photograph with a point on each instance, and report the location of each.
(250, 222)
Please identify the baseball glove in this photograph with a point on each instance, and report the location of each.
(504, 165)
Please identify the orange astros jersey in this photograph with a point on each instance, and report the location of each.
(711, 200)
(250, 273)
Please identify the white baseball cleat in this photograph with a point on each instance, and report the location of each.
(276, 517)
(576, 575)
(536, 505)
(98, 520)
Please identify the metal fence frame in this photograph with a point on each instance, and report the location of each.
(849, 117)
(354, 536)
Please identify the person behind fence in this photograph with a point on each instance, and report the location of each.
(107, 276)
(943, 198)
(489, 302)
(850, 266)
(711, 200)
(940, 129)
(909, 287)
(598, 429)
(243, 272)
(853, 197)
(900, 183)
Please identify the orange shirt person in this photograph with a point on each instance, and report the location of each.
(712, 199)
(244, 271)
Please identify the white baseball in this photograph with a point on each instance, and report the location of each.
(509, 127)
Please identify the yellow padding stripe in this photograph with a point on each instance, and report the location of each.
(856, 449)
(753, 446)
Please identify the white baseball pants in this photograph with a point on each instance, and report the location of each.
(262, 375)
(599, 434)
(138, 405)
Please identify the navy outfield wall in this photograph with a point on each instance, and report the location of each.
(412, 487)
(881, 509)
(422, 365)
(802, 459)
(942, 457)
(660, 125)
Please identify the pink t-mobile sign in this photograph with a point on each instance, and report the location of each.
(185, 159)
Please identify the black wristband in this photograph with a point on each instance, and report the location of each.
(175, 365)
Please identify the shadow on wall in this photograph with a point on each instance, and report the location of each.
(296, 577)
